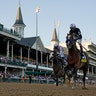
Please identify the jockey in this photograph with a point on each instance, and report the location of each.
(77, 36)
(60, 52)
(56, 48)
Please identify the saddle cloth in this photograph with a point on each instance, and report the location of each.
(83, 58)
(83, 61)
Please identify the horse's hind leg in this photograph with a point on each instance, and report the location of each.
(64, 79)
(74, 77)
(72, 82)
(84, 75)
(56, 81)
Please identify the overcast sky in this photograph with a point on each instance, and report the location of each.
(80, 12)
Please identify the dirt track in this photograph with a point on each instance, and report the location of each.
(25, 89)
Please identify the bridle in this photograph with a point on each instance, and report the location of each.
(70, 41)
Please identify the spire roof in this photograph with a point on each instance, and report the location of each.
(19, 19)
(54, 37)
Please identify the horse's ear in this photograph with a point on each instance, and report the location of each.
(66, 35)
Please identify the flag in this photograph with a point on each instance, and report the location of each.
(37, 9)
(59, 23)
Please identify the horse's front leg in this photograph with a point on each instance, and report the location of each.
(55, 78)
(72, 82)
(60, 73)
(84, 75)
(73, 79)
(56, 81)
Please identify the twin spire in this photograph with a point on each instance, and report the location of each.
(19, 19)
(19, 24)
(55, 37)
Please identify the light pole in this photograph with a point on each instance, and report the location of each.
(37, 11)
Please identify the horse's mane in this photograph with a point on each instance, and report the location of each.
(73, 43)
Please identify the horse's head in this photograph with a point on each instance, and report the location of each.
(54, 56)
(51, 56)
(70, 40)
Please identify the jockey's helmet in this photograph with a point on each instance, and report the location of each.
(72, 26)
(56, 46)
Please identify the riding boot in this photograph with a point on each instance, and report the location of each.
(83, 57)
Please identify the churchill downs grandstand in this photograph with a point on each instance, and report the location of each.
(20, 57)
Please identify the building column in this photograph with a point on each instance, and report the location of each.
(5, 71)
(28, 54)
(8, 49)
(23, 72)
(21, 54)
(47, 60)
(33, 71)
(95, 70)
(12, 52)
(92, 70)
(41, 58)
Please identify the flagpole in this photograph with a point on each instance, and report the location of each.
(36, 41)
(37, 11)
(58, 29)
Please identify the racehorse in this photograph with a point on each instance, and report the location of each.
(74, 58)
(57, 67)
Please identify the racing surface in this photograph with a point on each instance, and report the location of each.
(26, 89)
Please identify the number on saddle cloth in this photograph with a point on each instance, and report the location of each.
(83, 58)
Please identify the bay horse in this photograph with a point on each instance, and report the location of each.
(74, 58)
(58, 70)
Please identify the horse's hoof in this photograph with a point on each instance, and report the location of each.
(56, 84)
(84, 88)
(72, 87)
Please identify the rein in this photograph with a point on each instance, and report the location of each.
(82, 46)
